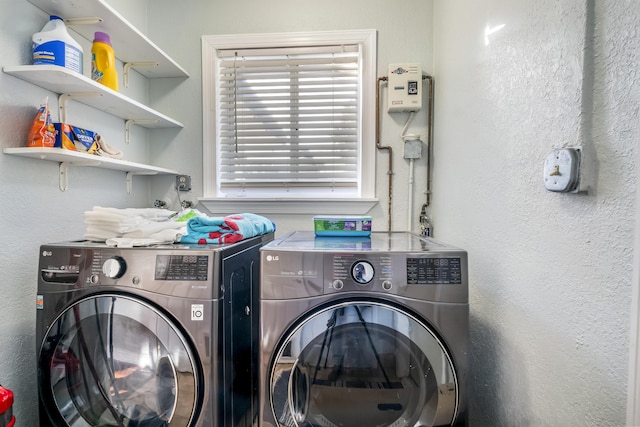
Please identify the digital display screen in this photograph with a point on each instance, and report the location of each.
(182, 267)
(434, 271)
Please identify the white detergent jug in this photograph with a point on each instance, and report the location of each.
(54, 46)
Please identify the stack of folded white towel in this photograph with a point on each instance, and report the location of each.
(133, 227)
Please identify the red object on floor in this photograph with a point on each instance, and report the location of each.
(6, 408)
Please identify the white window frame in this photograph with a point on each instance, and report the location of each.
(358, 201)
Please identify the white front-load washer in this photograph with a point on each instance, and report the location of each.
(363, 331)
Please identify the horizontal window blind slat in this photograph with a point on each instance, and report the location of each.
(346, 48)
(305, 184)
(327, 158)
(238, 99)
(264, 78)
(295, 172)
(315, 108)
(287, 133)
(275, 178)
(318, 125)
(286, 184)
(260, 79)
(244, 133)
(340, 115)
(285, 81)
(237, 94)
(288, 144)
(247, 123)
(307, 112)
(290, 88)
(284, 144)
(287, 177)
(287, 58)
(241, 70)
(283, 105)
(228, 160)
(297, 167)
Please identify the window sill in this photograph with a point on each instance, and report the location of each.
(289, 206)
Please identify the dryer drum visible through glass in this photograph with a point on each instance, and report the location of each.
(385, 362)
(115, 360)
(363, 332)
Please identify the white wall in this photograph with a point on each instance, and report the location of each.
(404, 35)
(33, 210)
(550, 273)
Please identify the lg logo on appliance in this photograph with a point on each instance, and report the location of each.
(273, 258)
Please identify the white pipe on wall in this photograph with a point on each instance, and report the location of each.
(633, 386)
(410, 196)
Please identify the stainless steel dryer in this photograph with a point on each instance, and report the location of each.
(160, 336)
(363, 331)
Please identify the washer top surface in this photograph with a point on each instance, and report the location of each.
(88, 244)
(176, 270)
(400, 241)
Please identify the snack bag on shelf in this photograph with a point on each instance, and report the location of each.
(74, 138)
(42, 132)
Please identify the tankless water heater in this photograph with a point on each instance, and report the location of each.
(405, 88)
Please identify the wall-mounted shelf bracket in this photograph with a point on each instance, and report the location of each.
(129, 65)
(130, 179)
(89, 20)
(62, 102)
(131, 122)
(64, 171)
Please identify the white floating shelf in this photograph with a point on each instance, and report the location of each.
(68, 158)
(64, 81)
(130, 45)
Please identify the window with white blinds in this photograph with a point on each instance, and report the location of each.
(289, 114)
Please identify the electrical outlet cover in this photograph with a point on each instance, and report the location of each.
(183, 182)
(562, 169)
(412, 149)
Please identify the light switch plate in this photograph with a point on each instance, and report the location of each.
(562, 170)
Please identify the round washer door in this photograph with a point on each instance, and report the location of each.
(362, 364)
(115, 360)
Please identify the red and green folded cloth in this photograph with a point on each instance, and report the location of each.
(205, 230)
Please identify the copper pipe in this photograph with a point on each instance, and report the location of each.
(423, 211)
(386, 147)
